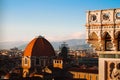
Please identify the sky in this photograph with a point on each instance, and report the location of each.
(56, 20)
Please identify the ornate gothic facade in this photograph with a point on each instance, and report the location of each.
(103, 34)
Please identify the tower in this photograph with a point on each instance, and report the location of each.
(64, 51)
(26, 64)
(103, 34)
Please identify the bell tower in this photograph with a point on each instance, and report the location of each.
(103, 34)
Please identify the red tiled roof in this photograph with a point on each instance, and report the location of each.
(39, 47)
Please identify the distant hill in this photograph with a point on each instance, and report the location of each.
(72, 43)
(11, 44)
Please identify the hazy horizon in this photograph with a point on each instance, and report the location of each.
(22, 44)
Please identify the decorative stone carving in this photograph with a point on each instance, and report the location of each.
(113, 70)
(106, 16)
(118, 15)
(102, 22)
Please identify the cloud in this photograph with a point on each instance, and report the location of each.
(76, 35)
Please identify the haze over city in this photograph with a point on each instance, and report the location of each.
(57, 20)
(60, 39)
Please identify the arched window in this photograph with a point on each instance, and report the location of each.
(93, 17)
(108, 43)
(118, 15)
(26, 61)
(119, 42)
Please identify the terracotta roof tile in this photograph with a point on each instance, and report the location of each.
(39, 47)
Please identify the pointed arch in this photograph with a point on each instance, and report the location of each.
(104, 35)
(107, 39)
(117, 36)
(107, 36)
(26, 61)
(94, 40)
(93, 36)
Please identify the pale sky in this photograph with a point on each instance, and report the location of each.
(56, 20)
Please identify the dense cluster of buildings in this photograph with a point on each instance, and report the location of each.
(40, 61)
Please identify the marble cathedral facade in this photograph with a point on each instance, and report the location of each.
(103, 34)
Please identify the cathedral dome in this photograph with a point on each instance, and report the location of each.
(39, 47)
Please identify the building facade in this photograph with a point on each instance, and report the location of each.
(84, 75)
(103, 34)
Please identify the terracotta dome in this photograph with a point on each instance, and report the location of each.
(39, 47)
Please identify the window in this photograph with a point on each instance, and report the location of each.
(118, 15)
(119, 42)
(59, 61)
(26, 61)
(108, 43)
(37, 61)
(93, 17)
(105, 16)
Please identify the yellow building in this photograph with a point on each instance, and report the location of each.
(90, 73)
(87, 74)
(58, 63)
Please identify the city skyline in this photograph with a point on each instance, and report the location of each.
(22, 20)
